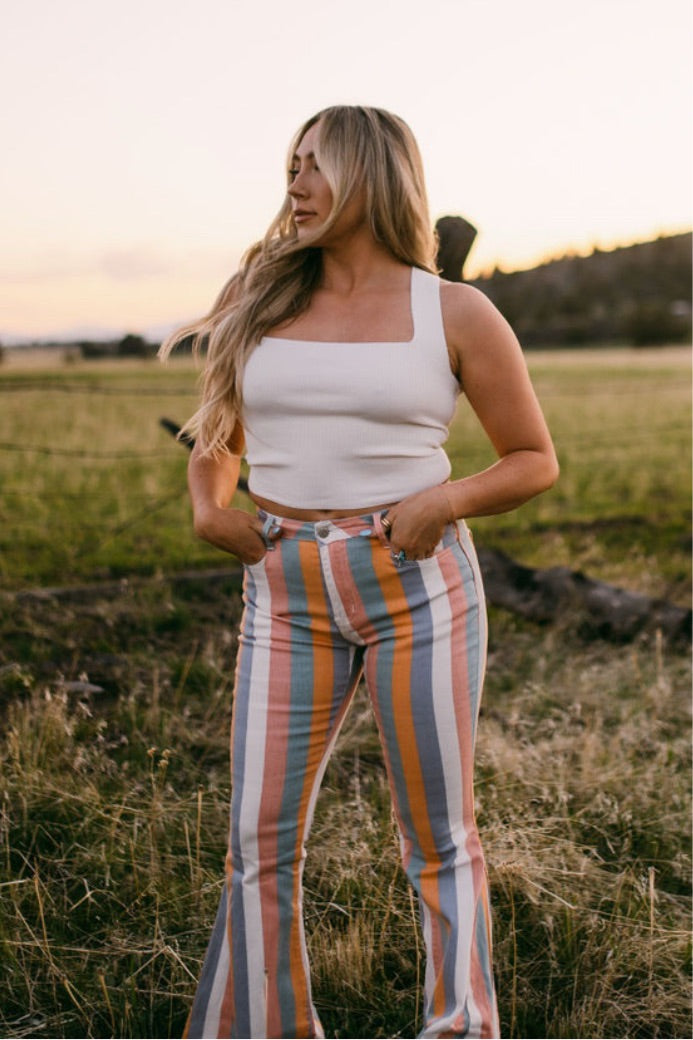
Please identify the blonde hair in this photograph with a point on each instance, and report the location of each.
(356, 147)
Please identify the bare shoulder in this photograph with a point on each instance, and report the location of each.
(467, 311)
(480, 342)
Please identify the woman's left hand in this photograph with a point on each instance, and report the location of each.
(416, 524)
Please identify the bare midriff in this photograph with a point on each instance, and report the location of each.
(310, 515)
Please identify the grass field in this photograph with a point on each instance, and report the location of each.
(115, 706)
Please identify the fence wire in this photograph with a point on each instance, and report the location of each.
(609, 443)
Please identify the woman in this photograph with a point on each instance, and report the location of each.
(335, 359)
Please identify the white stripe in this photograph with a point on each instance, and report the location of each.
(448, 743)
(250, 808)
(429, 973)
(467, 543)
(216, 995)
(475, 1017)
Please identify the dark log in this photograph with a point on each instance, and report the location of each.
(556, 595)
(455, 239)
(592, 608)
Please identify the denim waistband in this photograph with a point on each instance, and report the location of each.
(312, 530)
(365, 525)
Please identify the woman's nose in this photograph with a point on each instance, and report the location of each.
(297, 186)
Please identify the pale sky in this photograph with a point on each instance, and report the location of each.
(143, 141)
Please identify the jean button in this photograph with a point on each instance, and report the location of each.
(322, 530)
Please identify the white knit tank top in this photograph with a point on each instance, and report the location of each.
(338, 425)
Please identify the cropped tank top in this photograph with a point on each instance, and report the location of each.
(341, 425)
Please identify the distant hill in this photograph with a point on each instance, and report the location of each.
(634, 295)
(638, 295)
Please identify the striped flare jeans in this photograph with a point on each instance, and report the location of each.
(327, 604)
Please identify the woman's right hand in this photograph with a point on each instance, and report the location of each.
(232, 530)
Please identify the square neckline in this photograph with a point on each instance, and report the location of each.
(359, 342)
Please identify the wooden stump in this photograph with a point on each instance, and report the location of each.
(455, 239)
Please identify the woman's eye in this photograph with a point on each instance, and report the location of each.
(293, 174)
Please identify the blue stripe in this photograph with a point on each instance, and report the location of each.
(483, 946)
(204, 989)
(235, 911)
(433, 774)
(377, 611)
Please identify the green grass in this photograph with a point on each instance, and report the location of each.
(115, 707)
(621, 508)
(117, 505)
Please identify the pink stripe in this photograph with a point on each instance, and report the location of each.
(477, 980)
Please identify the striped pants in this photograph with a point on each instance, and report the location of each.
(327, 604)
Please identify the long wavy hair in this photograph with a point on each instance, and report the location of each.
(356, 147)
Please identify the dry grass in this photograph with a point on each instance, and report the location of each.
(114, 799)
(113, 830)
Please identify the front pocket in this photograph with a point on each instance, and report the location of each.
(468, 550)
(450, 538)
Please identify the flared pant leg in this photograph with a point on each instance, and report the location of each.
(425, 673)
(295, 678)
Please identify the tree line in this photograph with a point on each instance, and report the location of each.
(636, 295)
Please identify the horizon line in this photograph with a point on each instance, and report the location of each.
(107, 334)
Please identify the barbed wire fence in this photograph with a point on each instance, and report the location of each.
(151, 504)
(609, 441)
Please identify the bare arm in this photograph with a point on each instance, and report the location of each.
(494, 377)
(212, 483)
(495, 380)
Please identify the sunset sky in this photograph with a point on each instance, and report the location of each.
(144, 141)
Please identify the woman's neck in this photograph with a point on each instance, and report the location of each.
(357, 265)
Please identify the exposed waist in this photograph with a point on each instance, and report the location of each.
(315, 515)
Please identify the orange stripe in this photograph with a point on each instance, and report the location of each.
(323, 682)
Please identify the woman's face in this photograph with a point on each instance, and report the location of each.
(311, 195)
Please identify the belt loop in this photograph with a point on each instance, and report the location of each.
(379, 529)
(270, 529)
